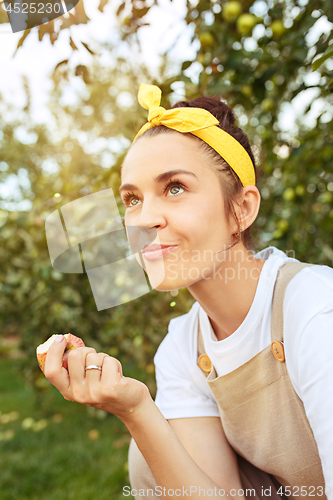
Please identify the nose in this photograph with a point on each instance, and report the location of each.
(142, 227)
(151, 214)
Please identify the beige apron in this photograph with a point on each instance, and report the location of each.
(263, 418)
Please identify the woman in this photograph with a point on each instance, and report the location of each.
(241, 408)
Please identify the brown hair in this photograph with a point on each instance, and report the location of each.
(230, 182)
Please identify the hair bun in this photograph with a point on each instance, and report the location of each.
(222, 112)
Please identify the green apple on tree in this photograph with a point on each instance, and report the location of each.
(201, 58)
(267, 104)
(289, 194)
(206, 39)
(277, 28)
(325, 197)
(277, 234)
(300, 190)
(283, 225)
(246, 90)
(246, 23)
(231, 10)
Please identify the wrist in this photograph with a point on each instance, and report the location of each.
(139, 415)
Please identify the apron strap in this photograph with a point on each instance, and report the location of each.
(201, 347)
(284, 276)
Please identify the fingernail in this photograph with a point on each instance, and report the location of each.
(59, 338)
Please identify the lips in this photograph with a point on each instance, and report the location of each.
(154, 252)
(152, 248)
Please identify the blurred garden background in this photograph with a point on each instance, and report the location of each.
(272, 62)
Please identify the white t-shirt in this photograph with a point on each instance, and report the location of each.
(182, 389)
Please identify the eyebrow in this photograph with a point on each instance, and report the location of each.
(160, 178)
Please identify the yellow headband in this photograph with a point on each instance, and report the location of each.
(200, 123)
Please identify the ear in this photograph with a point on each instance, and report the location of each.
(247, 207)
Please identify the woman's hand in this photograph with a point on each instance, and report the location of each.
(107, 389)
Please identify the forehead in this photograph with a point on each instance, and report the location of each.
(151, 155)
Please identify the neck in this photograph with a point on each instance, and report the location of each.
(227, 297)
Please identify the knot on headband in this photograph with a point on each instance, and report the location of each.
(180, 119)
(200, 123)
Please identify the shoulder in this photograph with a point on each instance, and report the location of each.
(321, 277)
(309, 291)
(308, 345)
(308, 324)
(308, 313)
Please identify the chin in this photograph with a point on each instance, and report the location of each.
(168, 285)
(165, 277)
(166, 288)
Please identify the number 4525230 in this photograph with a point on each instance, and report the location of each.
(33, 8)
(304, 491)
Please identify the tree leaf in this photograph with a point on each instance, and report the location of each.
(53, 37)
(88, 49)
(66, 22)
(139, 13)
(186, 64)
(327, 54)
(21, 40)
(102, 4)
(183, 78)
(72, 44)
(3, 14)
(65, 61)
(82, 70)
(120, 8)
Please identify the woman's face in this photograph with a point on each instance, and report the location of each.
(175, 190)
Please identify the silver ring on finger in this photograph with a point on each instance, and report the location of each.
(93, 367)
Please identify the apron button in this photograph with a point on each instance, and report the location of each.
(277, 350)
(205, 363)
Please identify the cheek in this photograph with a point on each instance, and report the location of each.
(202, 218)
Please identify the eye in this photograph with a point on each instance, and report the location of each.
(128, 198)
(174, 186)
(133, 199)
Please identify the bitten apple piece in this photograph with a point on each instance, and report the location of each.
(73, 342)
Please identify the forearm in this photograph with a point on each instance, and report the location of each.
(171, 465)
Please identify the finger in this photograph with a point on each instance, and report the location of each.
(77, 363)
(112, 371)
(54, 371)
(65, 360)
(97, 359)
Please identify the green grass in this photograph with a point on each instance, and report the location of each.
(60, 461)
